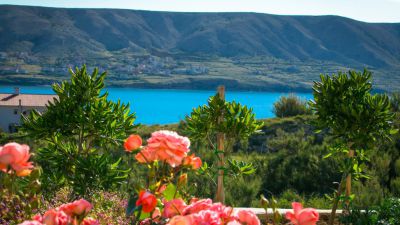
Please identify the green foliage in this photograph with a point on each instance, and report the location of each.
(395, 101)
(80, 127)
(290, 105)
(344, 104)
(238, 121)
(389, 212)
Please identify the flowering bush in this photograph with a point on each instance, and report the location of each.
(73, 213)
(161, 201)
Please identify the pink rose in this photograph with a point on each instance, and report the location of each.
(233, 222)
(133, 142)
(90, 221)
(182, 220)
(54, 217)
(192, 161)
(300, 216)
(168, 146)
(198, 206)
(146, 156)
(247, 217)
(207, 217)
(173, 208)
(16, 156)
(76, 208)
(31, 222)
(147, 200)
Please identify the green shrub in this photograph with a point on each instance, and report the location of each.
(80, 129)
(395, 101)
(290, 105)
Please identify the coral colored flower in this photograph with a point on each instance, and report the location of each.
(146, 156)
(247, 217)
(168, 146)
(31, 222)
(147, 200)
(207, 217)
(77, 208)
(55, 217)
(90, 221)
(234, 222)
(173, 208)
(192, 161)
(16, 156)
(133, 142)
(300, 216)
(182, 220)
(198, 206)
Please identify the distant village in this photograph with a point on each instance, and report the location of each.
(23, 63)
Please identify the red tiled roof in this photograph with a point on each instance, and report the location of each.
(26, 99)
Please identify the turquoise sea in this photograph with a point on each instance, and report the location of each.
(165, 106)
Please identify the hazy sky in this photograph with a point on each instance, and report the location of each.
(364, 10)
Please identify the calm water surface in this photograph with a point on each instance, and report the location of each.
(165, 106)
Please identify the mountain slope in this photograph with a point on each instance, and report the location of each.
(48, 33)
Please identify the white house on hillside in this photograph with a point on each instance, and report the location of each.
(12, 106)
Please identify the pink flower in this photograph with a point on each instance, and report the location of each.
(54, 217)
(207, 217)
(31, 222)
(16, 156)
(133, 142)
(182, 220)
(76, 208)
(146, 156)
(192, 161)
(90, 221)
(198, 206)
(168, 146)
(173, 208)
(233, 222)
(147, 200)
(247, 217)
(300, 216)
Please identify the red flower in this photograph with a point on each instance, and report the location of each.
(133, 142)
(147, 200)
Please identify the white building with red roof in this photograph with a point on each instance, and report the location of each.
(14, 105)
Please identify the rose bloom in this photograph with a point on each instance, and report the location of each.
(300, 216)
(198, 206)
(133, 142)
(16, 156)
(54, 217)
(168, 146)
(76, 208)
(147, 200)
(182, 220)
(192, 161)
(146, 156)
(207, 217)
(31, 222)
(90, 221)
(173, 208)
(247, 217)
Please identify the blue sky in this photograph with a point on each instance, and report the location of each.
(364, 10)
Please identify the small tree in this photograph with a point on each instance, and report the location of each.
(290, 105)
(79, 127)
(344, 104)
(225, 122)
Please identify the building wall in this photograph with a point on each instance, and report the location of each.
(10, 115)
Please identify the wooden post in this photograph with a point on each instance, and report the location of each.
(220, 195)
